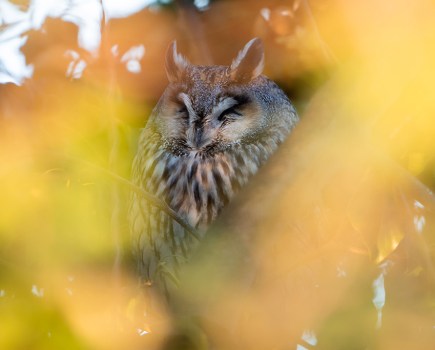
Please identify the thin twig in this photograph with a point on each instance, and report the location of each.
(146, 195)
(114, 139)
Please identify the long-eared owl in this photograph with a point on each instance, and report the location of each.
(212, 129)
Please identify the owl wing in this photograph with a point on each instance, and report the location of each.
(160, 240)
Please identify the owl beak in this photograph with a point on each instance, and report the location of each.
(200, 137)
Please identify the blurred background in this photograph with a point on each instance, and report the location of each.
(331, 246)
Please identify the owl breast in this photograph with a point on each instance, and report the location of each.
(198, 186)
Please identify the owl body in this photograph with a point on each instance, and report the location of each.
(212, 129)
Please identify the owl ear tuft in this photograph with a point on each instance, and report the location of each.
(176, 63)
(249, 63)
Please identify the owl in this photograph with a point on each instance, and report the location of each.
(210, 132)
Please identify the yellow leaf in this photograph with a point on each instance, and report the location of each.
(387, 243)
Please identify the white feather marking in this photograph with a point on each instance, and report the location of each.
(180, 61)
(241, 56)
(188, 103)
(236, 62)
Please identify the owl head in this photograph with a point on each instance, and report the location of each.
(208, 109)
